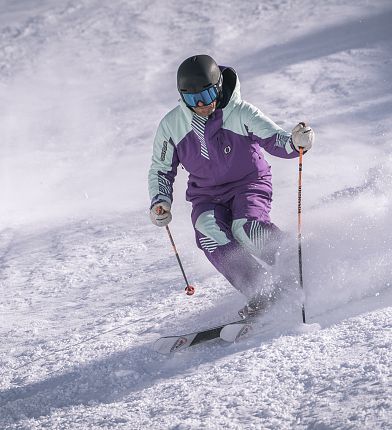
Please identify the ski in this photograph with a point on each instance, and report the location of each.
(171, 344)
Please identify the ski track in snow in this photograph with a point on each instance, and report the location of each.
(88, 284)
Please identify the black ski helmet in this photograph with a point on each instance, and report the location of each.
(197, 73)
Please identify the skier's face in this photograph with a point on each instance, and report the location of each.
(203, 110)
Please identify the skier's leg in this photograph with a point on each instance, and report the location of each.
(252, 226)
(268, 243)
(253, 229)
(212, 223)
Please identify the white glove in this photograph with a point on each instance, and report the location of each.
(160, 214)
(303, 136)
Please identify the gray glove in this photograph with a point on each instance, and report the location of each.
(303, 136)
(160, 213)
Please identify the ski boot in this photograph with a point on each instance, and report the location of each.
(255, 306)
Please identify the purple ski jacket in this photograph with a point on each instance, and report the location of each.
(220, 155)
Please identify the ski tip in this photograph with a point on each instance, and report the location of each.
(161, 346)
(167, 345)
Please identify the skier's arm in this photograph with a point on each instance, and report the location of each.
(163, 168)
(269, 135)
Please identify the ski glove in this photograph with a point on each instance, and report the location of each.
(160, 213)
(303, 136)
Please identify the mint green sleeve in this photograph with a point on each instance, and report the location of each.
(164, 163)
(269, 135)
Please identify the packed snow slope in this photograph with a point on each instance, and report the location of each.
(88, 284)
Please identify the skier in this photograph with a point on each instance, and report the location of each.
(219, 138)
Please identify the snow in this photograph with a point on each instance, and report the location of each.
(87, 284)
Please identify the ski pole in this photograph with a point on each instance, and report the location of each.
(301, 280)
(188, 289)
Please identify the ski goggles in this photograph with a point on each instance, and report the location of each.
(206, 96)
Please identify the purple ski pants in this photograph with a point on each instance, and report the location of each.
(232, 231)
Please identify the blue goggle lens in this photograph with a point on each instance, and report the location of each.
(206, 96)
